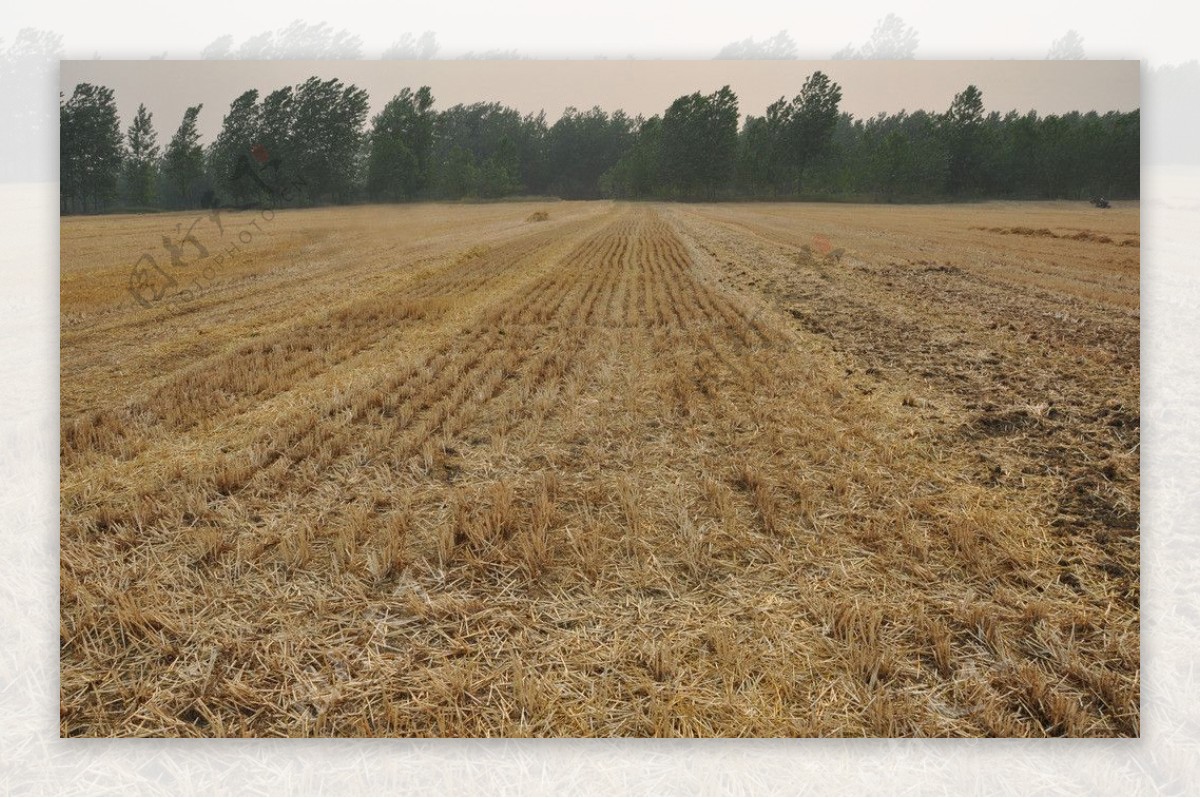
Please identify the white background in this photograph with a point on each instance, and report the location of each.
(34, 761)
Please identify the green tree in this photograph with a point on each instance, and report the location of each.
(310, 139)
(638, 173)
(582, 146)
(229, 154)
(327, 135)
(529, 138)
(963, 129)
(460, 176)
(1123, 154)
(908, 161)
(276, 135)
(699, 144)
(90, 148)
(183, 161)
(802, 128)
(499, 176)
(470, 139)
(756, 157)
(401, 146)
(141, 162)
(1021, 144)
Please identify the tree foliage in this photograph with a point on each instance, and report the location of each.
(241, 130)
(183, 161)
(807, 123)
(698, 148)
(401, 146)
(638, 173)
(965, 137)
(326, 143)
(581, 146)
(141, 161)
(487, 150)
(90, 148)
(310, 138)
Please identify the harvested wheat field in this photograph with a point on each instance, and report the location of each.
(597, 469)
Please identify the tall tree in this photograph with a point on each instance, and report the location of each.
(183, 161)
(638, 173)
(963, 126)
(468, 136)
(816, 115)
(907, 158)
(500, 175)
(276, 136)
(1021, 143)
(582, 146)
(141, 163)
(699, 143)
(756, 157)
(327, 136)
(802, 127)
(1123, 154)
(229, 154)
(306, 143)
(530, 139)
(90, 148)
(459, 176)
(401, 138)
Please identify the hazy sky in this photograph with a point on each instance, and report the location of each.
(637, 86)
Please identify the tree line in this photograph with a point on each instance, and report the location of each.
(315, 140)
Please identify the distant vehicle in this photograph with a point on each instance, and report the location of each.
(1100, 202)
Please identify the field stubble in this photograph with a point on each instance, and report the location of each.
(630, 470)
